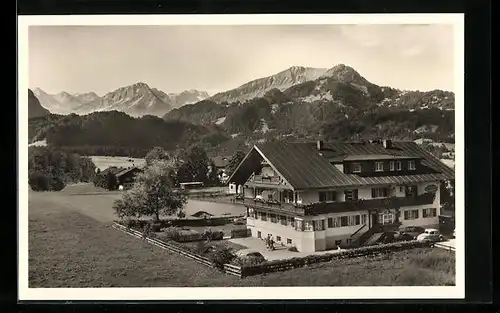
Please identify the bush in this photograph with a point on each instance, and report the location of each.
(39, 181)
(240, 233)
(218, 235)
(293, 249)
(43, 181)
(220, 256)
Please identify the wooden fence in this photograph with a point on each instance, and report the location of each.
(228, 268)
(281, 265)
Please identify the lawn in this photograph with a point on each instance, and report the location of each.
(103, 162)
(68, 248)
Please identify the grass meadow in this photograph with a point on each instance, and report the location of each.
(103, 162)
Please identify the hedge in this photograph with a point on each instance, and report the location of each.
(194, 222)
(282, 265)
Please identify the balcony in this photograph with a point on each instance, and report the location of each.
(337, 207)
(274, 206)
(361, 204)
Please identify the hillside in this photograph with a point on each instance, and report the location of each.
(340, 104)
(35, 109)
(116, 133)
(258, 87)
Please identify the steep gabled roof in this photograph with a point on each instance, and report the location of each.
(304, 167)
(126, 171)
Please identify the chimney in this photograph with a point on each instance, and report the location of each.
(319, 145)
(387, 143)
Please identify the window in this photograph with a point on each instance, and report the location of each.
(308, 226)
(401, 189)
(348, 241)
(391, 166)
(379, 166)
(411, 214)
(288, 241)
(338, 242)
(319, 225)
(325, 196)
(430, 212)
(337, 221)
(290, 221)
(350, 220)
(344, 221)
(273, 218)
(386, 218)
(379, 192)
(283, 220)
(330, 222)
(356, 168)
(398, 166)
(353, 220)
(278, 238)
(299, 225)
(259, 234)
(264, 216)
(351, 195)
(411, 165)
(363, 219)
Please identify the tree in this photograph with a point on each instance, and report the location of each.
(157, 153)
(236, 159)
(152, 193)
(196, 166)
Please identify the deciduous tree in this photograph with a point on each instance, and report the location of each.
(153, 193)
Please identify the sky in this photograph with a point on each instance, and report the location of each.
(173, 58)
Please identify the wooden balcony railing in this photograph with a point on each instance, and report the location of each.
(385, 203)
(273, 206)
(274, 180)
(333, 207)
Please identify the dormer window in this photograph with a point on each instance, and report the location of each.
(379, 166)
(411, 165)
(356, 168)
(391, 166)
(398, 165)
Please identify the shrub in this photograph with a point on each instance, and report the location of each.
(39, 181)
(220, 256)
(250, 260)
(43, 181)
(240, 233)
(293, 249)
(218, 235)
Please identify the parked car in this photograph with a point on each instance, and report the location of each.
(431, 235)
(410, 232)
(395, 236)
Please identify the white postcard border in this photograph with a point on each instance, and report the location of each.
(240, 293)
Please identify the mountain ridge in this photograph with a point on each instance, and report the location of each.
(138, 99)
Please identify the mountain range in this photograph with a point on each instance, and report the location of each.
(300, 103)
(136, 100)
(305, 98)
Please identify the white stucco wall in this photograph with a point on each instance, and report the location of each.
(276, 229)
